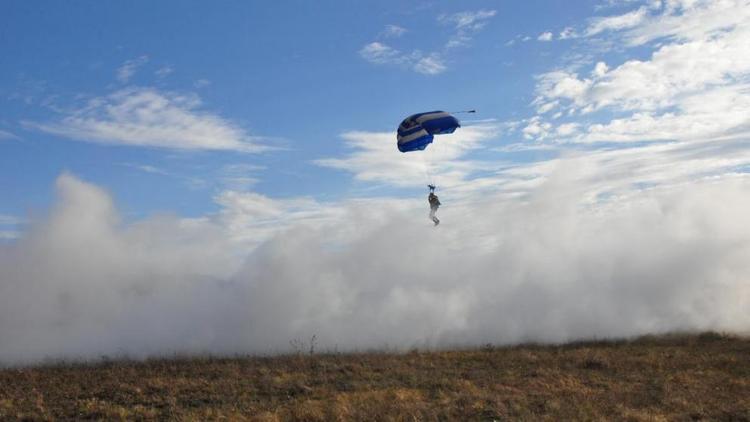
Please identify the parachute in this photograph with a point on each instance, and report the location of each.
(417, 130)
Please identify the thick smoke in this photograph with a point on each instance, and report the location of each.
(82, 284)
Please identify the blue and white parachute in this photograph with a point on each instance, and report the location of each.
(416, 131)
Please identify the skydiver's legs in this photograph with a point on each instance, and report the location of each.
(434, 219)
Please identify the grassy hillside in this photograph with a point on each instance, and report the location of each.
(701, 377)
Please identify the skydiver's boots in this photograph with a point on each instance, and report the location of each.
(433, 210)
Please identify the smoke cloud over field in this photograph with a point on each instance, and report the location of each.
(80, 283)
(618, 208)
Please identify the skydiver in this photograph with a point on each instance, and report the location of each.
(434, 204)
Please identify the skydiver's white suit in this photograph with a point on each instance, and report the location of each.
(434, 204)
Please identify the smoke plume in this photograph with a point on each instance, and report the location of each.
(81, 283)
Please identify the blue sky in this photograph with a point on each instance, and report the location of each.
(291, 75)
(224, 177)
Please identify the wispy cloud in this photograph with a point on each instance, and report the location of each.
(239, 177)
(393, 31)
(374, 158)
(609, 4)
(10, 227)
(545, 36)
(675, 19)
(610, 23)
(380, 53)
(690, 20)
(129, 68)
(468, 20)
(252, 218)
(567, 33)
(147, 168)
(9, 220)
(466, 24)
(537, 129)
(7, 135)
(201, 83)
(431, 65)
(148, 117)
(164, 71)
(693, 86)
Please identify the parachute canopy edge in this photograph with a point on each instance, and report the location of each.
(417, 131)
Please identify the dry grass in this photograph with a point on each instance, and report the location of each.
(701, 377)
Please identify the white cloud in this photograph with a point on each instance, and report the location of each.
(615, 23)
(596, 241)
(9, 227)
(690, 20)
(383, 54)
(546, 107)
(200, 83)
(680, 20)
(466, 24)
(693, 87)
(146, 168)
(9, 220)
(536, 129)
(468, 20)
(187, 179)
(457, 41)
(393, 31)
(562, 85)
(164, 71)
(7, 135)
(129, 68)
(567, 129)
(375, 157)
(600, 69)
(379, 53)
(431, 65)
(618, 172)
(691, 91)
(567, 33)
(151, 118)
(712, 114)
(608, 4)
(545, 36)
(239, 177)
(251, 218)
(264, 271)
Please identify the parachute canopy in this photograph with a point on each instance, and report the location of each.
(416, 131)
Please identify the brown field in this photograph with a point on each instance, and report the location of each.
(676, 377)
